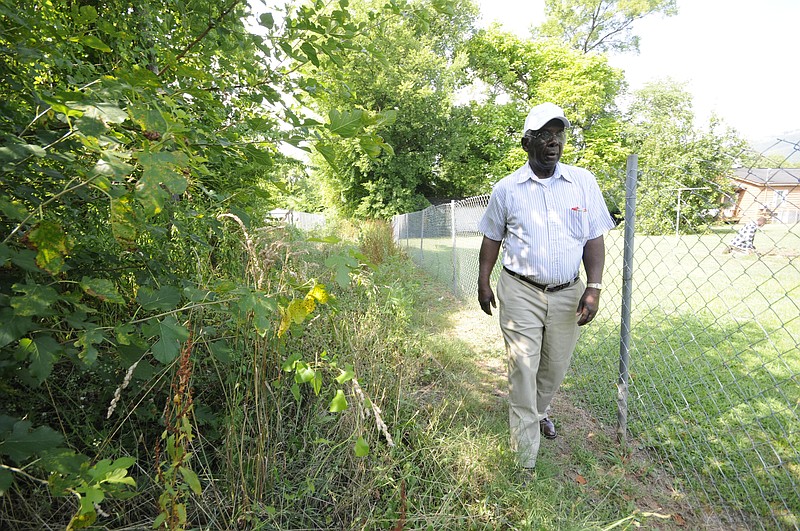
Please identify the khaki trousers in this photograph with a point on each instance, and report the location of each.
(540, 331)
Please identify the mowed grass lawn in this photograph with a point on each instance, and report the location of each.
(714, 360)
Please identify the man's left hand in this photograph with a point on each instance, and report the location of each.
(587, 307)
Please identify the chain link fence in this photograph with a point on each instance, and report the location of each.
(445, 241)
(713, 378)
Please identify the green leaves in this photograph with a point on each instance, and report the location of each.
(149, 119)
(102, 289)
(328, 152)
(170, 335)
(360, 125)
(164, 298)
(346, 123)
(35, 300)
(221, 351)
(108, 113)
(93, 42)
(52, 245)
(263, 309)
(69, 473)
(16, 152)
(160, 178)
(342, 265)
(124, 224)
(373, 145)
(111, 165)
(13, 209)
(107, 120)
(267, 20)
(113, 472)
(6, 480)
(42, 352)
(95, 119)
(87, 339)
(444, 6)
(90, 126)
(661, 130)
(353, 123)
(92, 487)
(84, 15)
(192, 480)
(338, 403)
(602, 26)
(19, 441)
(13, 327)
(346, 375)
(361, 447)
(304, 373)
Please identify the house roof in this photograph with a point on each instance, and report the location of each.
(767, 176)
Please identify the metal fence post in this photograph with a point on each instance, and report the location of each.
(422, 238)
(627, 291)
(455, 254)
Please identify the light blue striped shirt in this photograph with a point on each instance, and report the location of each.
(544, 223)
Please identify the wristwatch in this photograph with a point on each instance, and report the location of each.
(595, 285)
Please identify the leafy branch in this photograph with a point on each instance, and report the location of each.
(202, 35)
(67, 190)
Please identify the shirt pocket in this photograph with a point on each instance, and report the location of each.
(578, 223)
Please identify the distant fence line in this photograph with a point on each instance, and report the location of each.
(714, 344)
(445, 229)
(302, 220)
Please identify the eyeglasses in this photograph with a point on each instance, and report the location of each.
(545, 136)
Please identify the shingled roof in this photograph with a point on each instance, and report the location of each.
(767, 176)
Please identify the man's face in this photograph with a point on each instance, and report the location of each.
(545, 146)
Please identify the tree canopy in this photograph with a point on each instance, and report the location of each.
(523, 73)
(600, 25)
(407, 81)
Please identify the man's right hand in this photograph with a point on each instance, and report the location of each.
(487, 257)
(486, 299)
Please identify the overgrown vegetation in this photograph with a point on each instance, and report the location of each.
(145, 316)
(341, 422)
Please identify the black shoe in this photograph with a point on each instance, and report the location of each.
(547, 428)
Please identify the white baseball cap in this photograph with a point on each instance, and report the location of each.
(543, 113)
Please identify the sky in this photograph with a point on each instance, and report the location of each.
(738, 58)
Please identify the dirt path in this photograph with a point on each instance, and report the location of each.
(647, 484)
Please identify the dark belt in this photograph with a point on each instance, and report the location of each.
(541, 287)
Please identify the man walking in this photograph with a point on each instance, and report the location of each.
(549, 217)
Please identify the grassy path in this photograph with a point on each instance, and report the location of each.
(584, 479)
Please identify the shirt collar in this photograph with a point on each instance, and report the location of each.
(526, 173)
